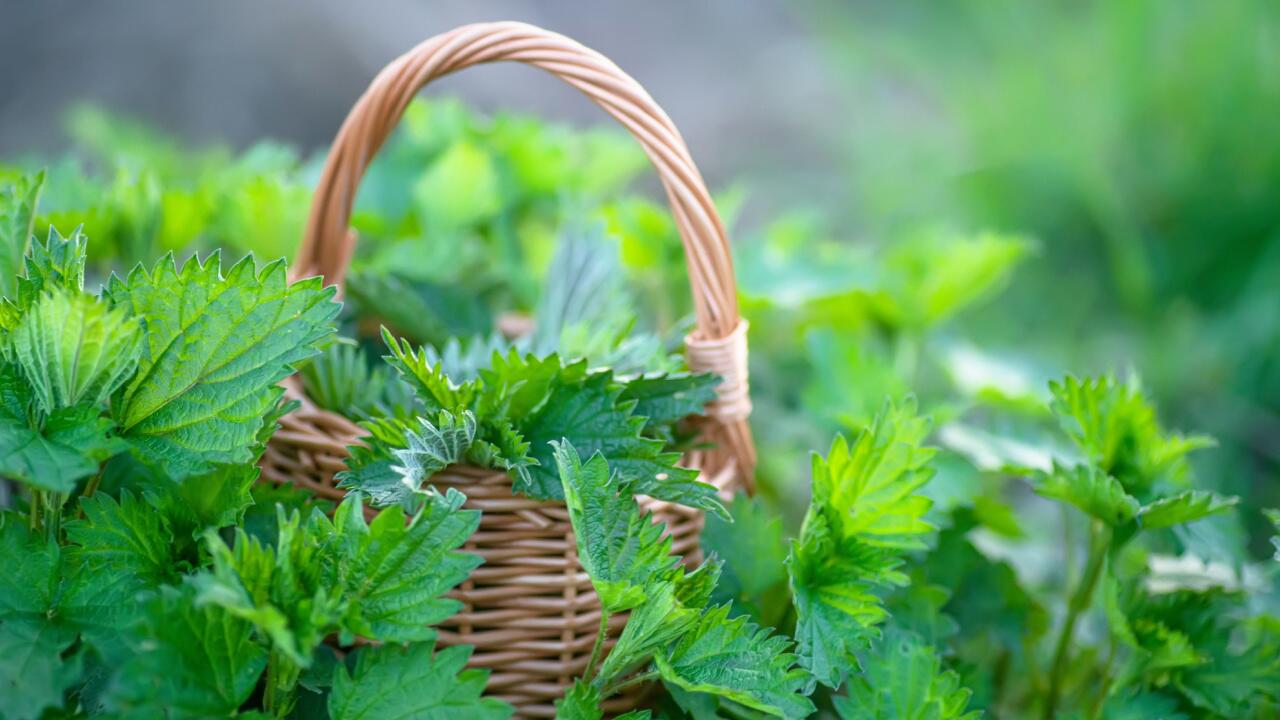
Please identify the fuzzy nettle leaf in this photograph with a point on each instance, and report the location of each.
(214, 347)
(736, 660)
(1091, 490)
(73, 349)
(620, 549)
(394, 682)
(865, 512)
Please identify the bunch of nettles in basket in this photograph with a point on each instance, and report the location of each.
(583, 374)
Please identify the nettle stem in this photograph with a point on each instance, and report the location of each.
(596, 649)
(613, 689)
(282, 680)
(1081, 599)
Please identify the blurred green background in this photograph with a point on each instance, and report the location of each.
(959, 200)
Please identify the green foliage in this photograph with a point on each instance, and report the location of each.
(509, 415)
(189, 661)
(389, 681)
(865, 512)
(382, 581)
(671, 627)
(1091, 490)
(34, 668)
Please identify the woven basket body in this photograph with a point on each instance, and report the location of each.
(529, 610)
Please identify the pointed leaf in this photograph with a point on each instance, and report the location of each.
(1091, 490)
(394, 682)
(1183, 508)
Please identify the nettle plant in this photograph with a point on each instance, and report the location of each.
(141, 580)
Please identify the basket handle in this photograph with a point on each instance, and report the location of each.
(718, 342)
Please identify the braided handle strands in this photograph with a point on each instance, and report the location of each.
(718, 344)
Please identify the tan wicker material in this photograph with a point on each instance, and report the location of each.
(529, 610)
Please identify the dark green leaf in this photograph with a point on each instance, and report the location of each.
(394, 682)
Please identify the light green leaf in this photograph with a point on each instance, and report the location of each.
(1183, 508)
(74, 350)
(620, 549)
(215, 348)
(837, 588)
(865, 512)
(187, 661)
(1091, 490)
(393, 682)
(53, 264)
(34, 675)
(1117, 428)
(654, 624)
(581, 702)
(18, 202)
(737, 660)
(869, 488)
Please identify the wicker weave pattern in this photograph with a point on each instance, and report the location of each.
(530, 610)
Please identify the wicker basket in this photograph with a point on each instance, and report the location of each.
(529, 610)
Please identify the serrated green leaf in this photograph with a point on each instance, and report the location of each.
(394, 682)
(589, 416)
(737, 660)
(620, 549)
(287, 592)
(837, 589)
(341, 380)
(432, 447)
(580, 702)
(53, 264)
(1091, 490)
(397, 573)
(214, 349)
(668, 398)
(34, 675)
(187, 661)
(1183, 508)
(118, 552)
(72, 445)
(73, 350)
(33, 570)
(434, 388)
(865, 512)
(903, 679)
(18, 201)
(868, 488)
(654, 624)
(1117, 428)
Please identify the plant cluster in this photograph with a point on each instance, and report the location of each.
(1057, 554)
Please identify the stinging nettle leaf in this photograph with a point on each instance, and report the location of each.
(34, 675)
(737, 660)
(1183, 508)
(394, 682)
(73, 349)
(434, 446)
(214, 349)
(18, 202)
(187, 661)
(620, 549)
(1093, 491)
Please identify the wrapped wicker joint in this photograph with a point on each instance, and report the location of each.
(530, 610)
